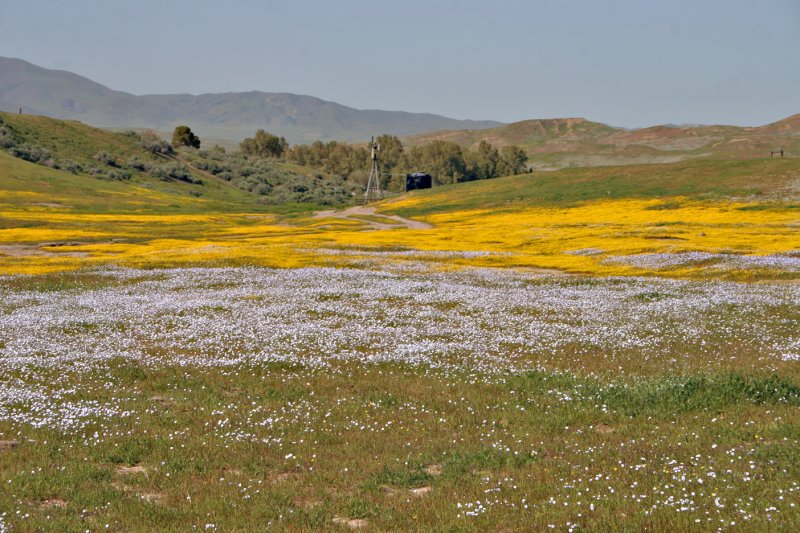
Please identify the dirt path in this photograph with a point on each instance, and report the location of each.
(43, 249)
(355, 213)
(49, 249)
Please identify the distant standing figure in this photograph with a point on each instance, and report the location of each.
(20, 110)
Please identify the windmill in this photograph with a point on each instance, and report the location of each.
(374, 191)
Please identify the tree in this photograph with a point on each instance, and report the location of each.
(333, 157)
(513, 160)
(183, 136)
(264, 145)
(483, 162)
(392, 160)
(443, 160)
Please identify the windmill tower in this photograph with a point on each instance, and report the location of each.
(374, 191)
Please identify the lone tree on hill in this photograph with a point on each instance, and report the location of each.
(183, 136)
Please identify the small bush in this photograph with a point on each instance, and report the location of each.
(6, 139)
(94, 171)
(118, 175)
(106, 159)
(138, 164)
(34, 154)
(174, 171)
(71, 166)
(153, 143)
(177, 171)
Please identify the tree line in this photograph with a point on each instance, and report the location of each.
(445, 161)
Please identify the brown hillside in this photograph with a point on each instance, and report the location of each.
(557, 143)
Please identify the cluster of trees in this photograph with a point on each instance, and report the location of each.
(264, 145)
(334, 157)
(446, 161)
(341, 169)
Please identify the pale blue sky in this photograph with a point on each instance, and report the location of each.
(623, 62)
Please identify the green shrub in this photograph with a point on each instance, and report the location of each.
(31, 153)
(6, 139)
(71, 166)
(118, 175)
(138, 164)
(106, 159)
(152, 143)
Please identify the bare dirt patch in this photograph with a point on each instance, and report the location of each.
(53, 503)
(162, 400)
(307, 503)
(52, 204)
(603, 428)
(352, 523)
(355, 213)
(22, 250)
(131, 470)
(152, 497)
(433, 470)
(6, 445)
(49, 249)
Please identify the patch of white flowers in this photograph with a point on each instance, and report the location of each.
(661, 261)
(482, 321)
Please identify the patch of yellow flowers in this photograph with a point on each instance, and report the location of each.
(576, 239)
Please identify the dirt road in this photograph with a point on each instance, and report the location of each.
(355, 213)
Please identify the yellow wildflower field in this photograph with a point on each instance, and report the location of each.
(595, 237)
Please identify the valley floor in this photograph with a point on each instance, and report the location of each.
(454, 360)
(679, 238)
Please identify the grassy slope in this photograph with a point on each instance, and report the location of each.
(71, 140)
(753, 179)
(24, 184)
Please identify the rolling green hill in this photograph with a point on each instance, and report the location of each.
(30, 184)
(764, 180)
(26, 185)
(49, 161)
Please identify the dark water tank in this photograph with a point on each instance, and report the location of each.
(418, 180)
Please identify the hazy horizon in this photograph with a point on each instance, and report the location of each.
(621, 62)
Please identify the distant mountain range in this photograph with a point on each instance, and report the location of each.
(563, 142)
(229, 116)
(550, 143)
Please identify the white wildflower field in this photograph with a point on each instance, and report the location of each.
(396, 398)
